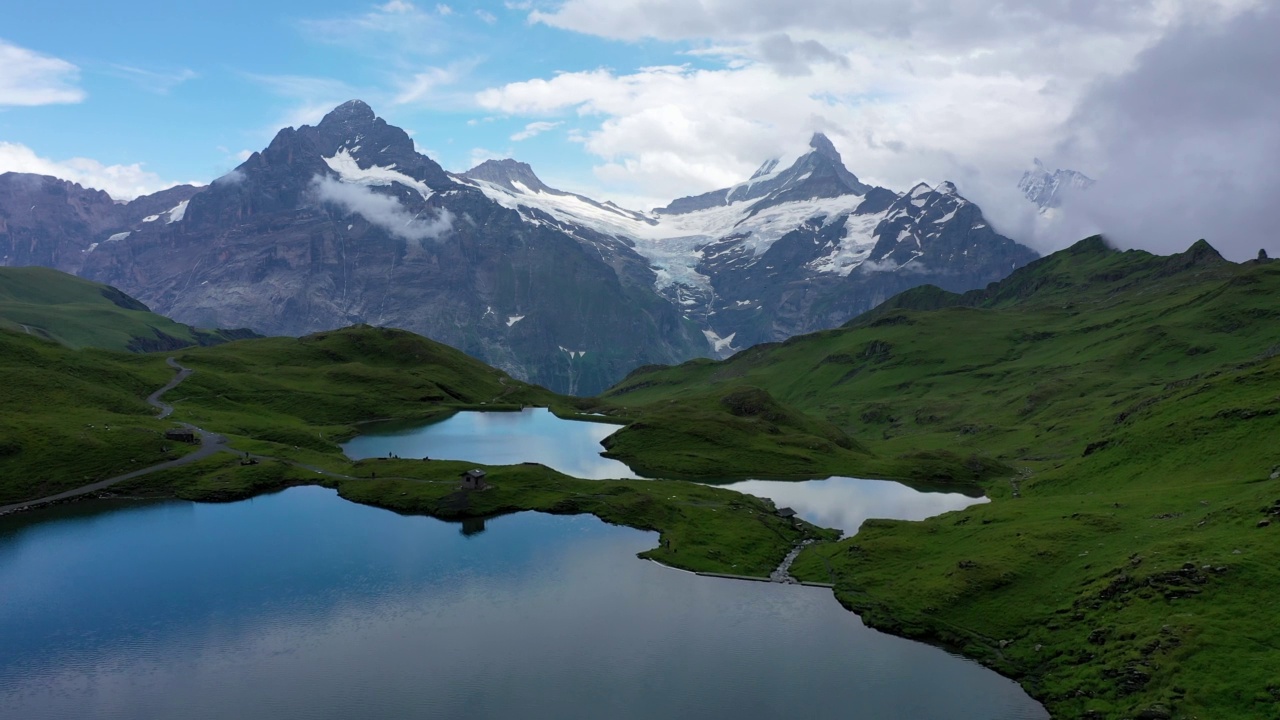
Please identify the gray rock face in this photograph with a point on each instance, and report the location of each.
(797, 248)
(53, 223)
(345, 222)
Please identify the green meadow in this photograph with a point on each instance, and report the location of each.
(1120, 409)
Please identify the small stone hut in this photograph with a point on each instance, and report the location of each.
(474, 480)
(787, 513)
(180, 435)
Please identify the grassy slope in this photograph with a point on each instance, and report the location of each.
(291, 398)
(68, 418)
(1165, 371)
(79, 313)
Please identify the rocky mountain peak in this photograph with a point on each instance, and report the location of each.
(506, 173)
(821, 144)
(349, 113)
(819, 173)
(1047, 188)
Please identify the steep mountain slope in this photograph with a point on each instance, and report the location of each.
(801, 246)
(72, 417)
(1048, 189)
(54, 223)
(1125, 564)
(346, 222)
(78, 313)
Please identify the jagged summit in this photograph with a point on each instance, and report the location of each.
(508, 173)
(822, 145)
(819, 173)
(351, 111)
(1047, 189)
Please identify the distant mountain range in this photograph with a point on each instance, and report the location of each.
(1048, 189)
(800, 246)
(345, 222)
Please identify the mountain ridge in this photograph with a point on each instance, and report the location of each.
(345, 222)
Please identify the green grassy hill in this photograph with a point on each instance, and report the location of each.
(79, 313)
(73, 417)
(277, 393)
(1123, 412)
(70, 417)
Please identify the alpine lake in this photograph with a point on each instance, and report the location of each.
(302, 605)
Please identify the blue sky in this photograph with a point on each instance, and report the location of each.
(642, 101)
(186, 87)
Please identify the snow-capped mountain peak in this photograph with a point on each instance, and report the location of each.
(1047, 188)
(818, 173)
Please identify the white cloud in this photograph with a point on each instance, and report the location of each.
(444, 10)
(29, 78)
(385, 211)
(397, 7)
(392, 31)
(422, 85)
(487, 16)
(121, 182)
(534, 129)
(160, 83)
(669, 131)
(965, 90)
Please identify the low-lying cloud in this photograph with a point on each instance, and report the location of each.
(1185, 145)
(121, 182)
(385, 211)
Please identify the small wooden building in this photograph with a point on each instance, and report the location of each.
(787, 513)
(474, 480)
(180, 435)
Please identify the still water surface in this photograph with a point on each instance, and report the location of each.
(498, 438)
(302, 605)
(843, 503)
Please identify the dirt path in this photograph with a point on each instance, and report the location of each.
(210, 444)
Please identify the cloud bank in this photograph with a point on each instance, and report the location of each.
(1187, 143)
(962, 90)
(121, 182)
(383, 210)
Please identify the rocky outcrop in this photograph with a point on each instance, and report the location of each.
(346, 223)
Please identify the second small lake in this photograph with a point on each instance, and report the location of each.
(843, 503)
(498, 438)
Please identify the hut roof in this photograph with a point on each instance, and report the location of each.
(786, 512)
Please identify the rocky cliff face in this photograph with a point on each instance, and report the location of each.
(800, 246)
(346, 223)
(53, 223)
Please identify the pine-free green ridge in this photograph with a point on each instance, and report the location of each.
(1163, 367)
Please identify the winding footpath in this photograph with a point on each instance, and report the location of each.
(210, 444)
